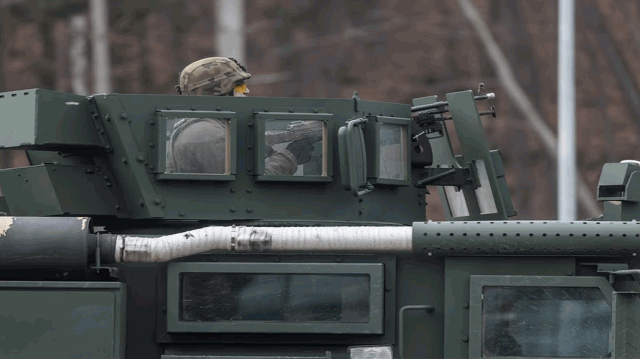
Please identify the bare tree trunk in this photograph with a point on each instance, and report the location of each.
(78, 56)
(100, 45)
(4, 25)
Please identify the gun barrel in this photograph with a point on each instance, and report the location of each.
(488, 96)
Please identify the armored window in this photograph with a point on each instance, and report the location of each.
(545, 322)
(388, 145)
(293, 298)
(293, 147)
(393, 151)
(559, 318)
(197, 145)
(254, 297)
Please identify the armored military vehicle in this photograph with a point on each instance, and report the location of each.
(106, 252)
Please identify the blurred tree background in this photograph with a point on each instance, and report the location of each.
(387, 50)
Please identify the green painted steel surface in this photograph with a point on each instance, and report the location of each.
(62, 320)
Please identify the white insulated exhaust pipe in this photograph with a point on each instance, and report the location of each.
(264, 239)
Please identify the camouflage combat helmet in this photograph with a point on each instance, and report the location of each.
(214, 75)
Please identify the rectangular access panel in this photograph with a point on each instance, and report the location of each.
(275, 298)
(62, 320)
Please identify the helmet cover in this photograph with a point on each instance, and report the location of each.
(216, 76)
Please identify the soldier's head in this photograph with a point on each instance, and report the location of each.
(214, 76)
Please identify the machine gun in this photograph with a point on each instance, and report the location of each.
(297, 130)
(429, 117)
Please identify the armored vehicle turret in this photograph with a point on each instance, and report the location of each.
(294, 228)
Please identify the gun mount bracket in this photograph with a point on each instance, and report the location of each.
(449, 177)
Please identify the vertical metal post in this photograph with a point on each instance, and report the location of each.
(78, 57)
(229, 31)
(567, 170)
(100, 45)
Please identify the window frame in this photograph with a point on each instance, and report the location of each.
(375, 271)
(161, 152)
(259, 140)
(478, 282)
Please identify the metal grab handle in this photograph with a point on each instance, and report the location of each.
(426, 308)
(352, 171)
